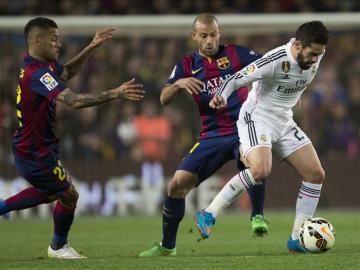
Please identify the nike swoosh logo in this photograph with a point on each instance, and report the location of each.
(196, 71)
(323, 229)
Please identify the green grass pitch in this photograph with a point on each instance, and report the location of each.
(113, 243)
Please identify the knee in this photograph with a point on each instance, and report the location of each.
(179, 187)
(69, 197)
(317, 176)
(175, 189)
(260, 172)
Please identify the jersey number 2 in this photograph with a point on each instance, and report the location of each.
(59, 171)
(296, 134)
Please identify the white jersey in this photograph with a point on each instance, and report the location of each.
(278, 82)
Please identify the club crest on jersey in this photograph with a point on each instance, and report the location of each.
(48, 81)
(263, 138)
(223, 62)
(285, 65)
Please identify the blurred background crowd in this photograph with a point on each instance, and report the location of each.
(329, 111)
(135, 7)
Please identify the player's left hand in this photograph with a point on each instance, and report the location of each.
(129, 90)
(101, 36)
(217, 102)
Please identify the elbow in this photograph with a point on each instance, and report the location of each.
(68, 73)
(163, 101)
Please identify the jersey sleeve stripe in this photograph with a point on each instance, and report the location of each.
(269, 57)
(234, 76)
(272, 60)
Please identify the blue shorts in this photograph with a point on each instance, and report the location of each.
(46, 173)
(209, 155)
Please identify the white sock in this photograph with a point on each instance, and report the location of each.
(231, 191)
(306, 204)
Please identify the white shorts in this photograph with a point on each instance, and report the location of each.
(258, 128)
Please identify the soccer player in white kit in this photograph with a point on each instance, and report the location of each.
(265, 121)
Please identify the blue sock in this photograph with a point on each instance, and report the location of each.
(58, 241)
(257, 197)
(173, 213)
(3, 208)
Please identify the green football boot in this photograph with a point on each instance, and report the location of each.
(259, 226)
(157, 251)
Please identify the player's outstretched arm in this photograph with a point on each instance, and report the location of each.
(190, 85)
(128, 90)
(244, 77)
(72, 67)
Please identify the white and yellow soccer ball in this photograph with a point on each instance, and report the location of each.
(317, 235)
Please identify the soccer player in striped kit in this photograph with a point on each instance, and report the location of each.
(200, 75)
(35, 145)
(265, 121)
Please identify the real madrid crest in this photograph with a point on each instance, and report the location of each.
(285, 65)
(223, 62)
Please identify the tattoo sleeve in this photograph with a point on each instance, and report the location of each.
(84, 100)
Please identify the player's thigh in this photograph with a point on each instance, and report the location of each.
(254, 131)
(306, 162)
(260, 162)
(46, 174)
(256, 134)
(181, 183)
(259, 156)
(208, 155)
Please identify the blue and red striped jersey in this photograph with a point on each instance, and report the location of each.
(229, 59)
(39, 85)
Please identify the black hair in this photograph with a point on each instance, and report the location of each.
(40, 22)
(312, 32)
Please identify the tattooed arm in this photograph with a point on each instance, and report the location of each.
(72, 67)
(128, 90)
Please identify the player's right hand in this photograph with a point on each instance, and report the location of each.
(217, 102)
(191, 85)
(129, 90)
(101, 36)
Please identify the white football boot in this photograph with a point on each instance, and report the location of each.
(65, 253)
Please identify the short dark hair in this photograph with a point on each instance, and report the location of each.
(312, 32)
(40, 22)
(205, 18)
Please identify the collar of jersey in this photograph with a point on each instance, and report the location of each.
(288, 51)
(30, 58)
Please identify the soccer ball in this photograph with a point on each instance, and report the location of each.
(317, 235)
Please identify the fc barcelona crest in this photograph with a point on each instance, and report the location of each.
(223, 62)
(285, 65)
